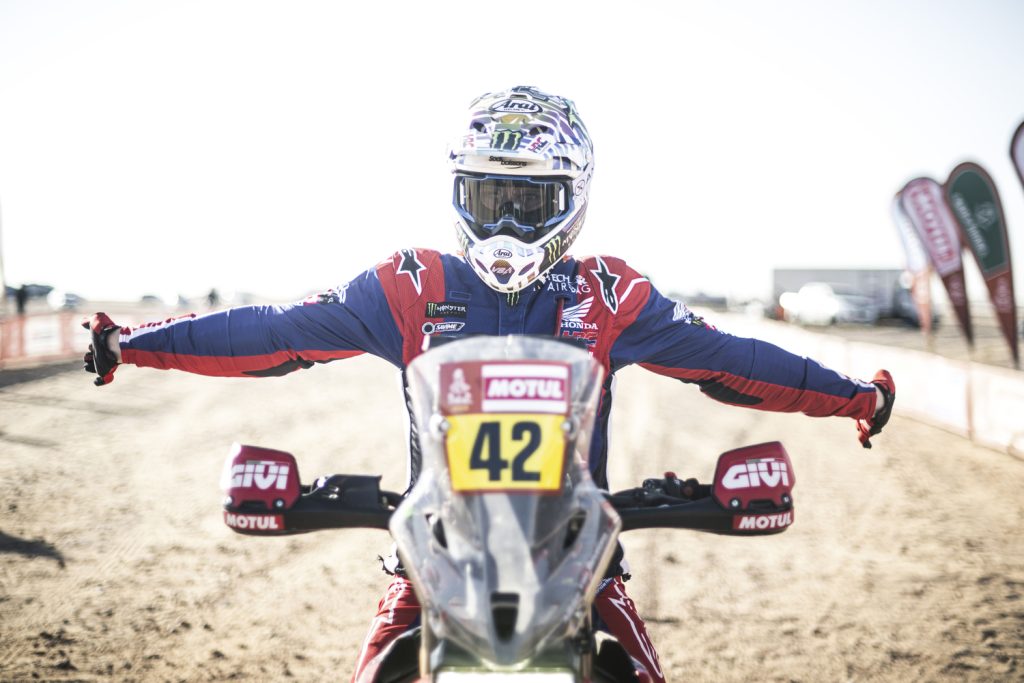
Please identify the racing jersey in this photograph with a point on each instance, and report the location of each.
(601, 302)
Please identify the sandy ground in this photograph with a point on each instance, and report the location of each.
(906, 562)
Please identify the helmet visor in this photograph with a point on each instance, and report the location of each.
(525, 208)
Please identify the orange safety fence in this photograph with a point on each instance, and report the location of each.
(41, 337)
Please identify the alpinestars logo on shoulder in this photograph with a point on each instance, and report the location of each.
(608, 282)
(411, 266)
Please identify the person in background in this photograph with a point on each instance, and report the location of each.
(21, 298)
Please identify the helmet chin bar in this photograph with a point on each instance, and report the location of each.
(507, 264)
(504, 263)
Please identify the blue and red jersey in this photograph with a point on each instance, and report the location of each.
(388, 310)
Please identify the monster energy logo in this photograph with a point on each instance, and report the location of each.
(554, 248)
(506, 139)
(446, 309)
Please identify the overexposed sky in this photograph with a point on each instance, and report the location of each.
(283, 147)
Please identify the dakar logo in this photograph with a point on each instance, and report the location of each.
(458, 389)
(506, 140)
(754, 473)
(751, 522)
(263, 473)
(516, 106)
(553, 248)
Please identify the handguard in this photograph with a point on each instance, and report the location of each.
(755, 483)
(263, 496)
(751, 495)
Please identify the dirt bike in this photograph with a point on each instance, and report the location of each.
(504, 535)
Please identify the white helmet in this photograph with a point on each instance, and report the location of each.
(522, 177)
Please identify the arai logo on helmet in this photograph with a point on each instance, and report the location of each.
(515, 106)
(502, 252)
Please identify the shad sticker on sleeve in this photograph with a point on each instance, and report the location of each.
(519, 388)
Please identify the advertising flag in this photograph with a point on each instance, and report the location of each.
(1017, 151)
(973, 198)
(917, 266)
(917, 259)
(925, 205)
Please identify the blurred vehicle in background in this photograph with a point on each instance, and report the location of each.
(878, 285)
(63, 301)
(32, 291)
(821, 303)
(167, 300)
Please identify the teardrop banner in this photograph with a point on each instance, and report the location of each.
(917, 265)
(1017, 151)
(973, 198)
(923, 201)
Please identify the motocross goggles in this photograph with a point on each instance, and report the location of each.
(520, 207)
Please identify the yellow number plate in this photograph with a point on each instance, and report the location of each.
(505, 452)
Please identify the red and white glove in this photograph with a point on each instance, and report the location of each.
(99, 359)
(873, 425)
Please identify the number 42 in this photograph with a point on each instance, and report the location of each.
(486, 453)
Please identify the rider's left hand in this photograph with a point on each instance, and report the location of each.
(886, 388)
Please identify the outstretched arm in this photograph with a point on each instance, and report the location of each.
(264, 341)
(668, 339)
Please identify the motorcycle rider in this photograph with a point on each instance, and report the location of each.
(522, 169)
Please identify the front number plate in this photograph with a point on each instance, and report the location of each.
(506, 452)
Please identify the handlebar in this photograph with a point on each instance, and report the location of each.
(343, 501)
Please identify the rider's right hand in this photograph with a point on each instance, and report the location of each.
(102, 356)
